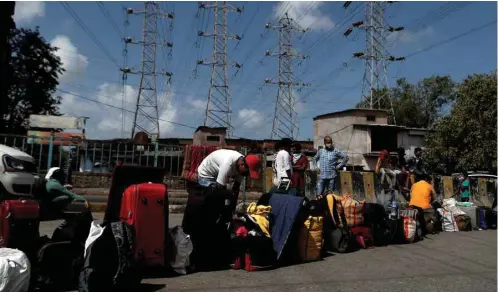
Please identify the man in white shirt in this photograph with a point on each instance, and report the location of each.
(282, 162)
(223, 164)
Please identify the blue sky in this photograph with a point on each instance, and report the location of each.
(90, 73)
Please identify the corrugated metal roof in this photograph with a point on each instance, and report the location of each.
(348, 110)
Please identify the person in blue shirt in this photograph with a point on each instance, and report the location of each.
(329, 159)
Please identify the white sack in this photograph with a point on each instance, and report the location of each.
(184, 248)
(15, 271)
(95, 232)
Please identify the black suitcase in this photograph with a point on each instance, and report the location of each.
(207, 219)
(58, 266)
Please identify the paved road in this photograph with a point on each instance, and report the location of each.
(457, 262)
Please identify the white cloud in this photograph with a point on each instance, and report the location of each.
(251, 118)
(73, 62)
(306, 14)
(197, 105)
(26, 11)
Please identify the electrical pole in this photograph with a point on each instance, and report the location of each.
(218, 109)
(375, 92)
(285, 120)
(146, 117)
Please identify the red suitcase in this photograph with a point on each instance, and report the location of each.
(145, 207)
(19, 225)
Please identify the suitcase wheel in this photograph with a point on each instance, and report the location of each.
(144, 201)
(160, 202)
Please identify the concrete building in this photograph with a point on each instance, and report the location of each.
(363, 134)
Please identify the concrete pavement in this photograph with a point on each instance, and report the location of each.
(457, 262)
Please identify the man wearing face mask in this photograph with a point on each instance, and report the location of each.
(328, 159)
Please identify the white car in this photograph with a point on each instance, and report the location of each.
(18, 173)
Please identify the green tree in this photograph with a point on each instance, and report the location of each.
(466, 138)
(417, 105)
(31, 82)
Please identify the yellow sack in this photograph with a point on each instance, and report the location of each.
(310, 239)
(260, 214)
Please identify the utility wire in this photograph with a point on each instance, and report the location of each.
(85, 28)
(120, 108)
(428, 48)
(109, 18)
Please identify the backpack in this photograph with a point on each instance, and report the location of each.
(109, 264)
(336, 234)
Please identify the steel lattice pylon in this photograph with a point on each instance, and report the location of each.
(146, 117)
(375, 78)
(285, 120)
(218, 108)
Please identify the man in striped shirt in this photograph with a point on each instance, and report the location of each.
(328, 158)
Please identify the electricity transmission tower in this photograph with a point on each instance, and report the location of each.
(218, 110)
(375, 91)
(146, 117)
(285, 120)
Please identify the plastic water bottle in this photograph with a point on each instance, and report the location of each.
(394, 210)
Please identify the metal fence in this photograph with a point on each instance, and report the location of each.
(96, 156)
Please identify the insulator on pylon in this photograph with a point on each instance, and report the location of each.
(200, 33)
(357, 55)
(400, 59)
(237, 65)
(171, 15)
(348, 32)
(268, 52)
(267, 25)
(202, 5)
(125, 70)
(200, 62)
(169, 44)
(346, 4)
(267, 80)
(239, 10)
(169, 74)
(390, 58)
(237, 37)
(128, 40)
(130, 10)
(356, 24)
(399, 28)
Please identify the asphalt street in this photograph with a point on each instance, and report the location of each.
(457, 262)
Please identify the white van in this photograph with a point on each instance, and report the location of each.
(18, 173)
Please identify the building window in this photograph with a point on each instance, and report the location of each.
(384, 138)
(213, 138)
(371, 118)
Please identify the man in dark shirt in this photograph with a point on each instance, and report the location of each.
(416, 164)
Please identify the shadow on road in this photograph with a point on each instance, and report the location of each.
(145, 287)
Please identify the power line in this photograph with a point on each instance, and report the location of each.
(85, 28)
(120, 108)
(109, 18)
(428, 48)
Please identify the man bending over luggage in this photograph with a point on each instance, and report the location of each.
(223, 164)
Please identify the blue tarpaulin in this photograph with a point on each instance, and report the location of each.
(284, 212)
